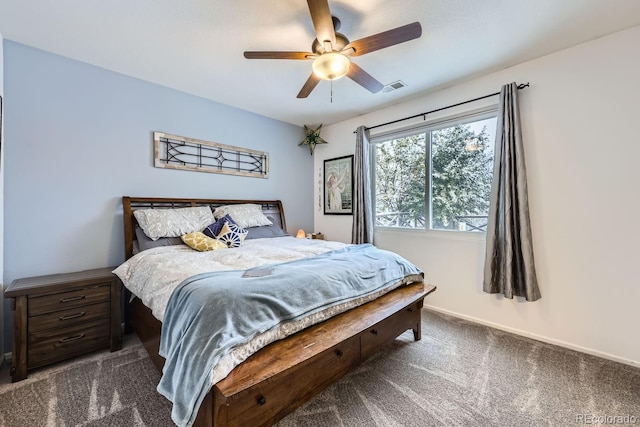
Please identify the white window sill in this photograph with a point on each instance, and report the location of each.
(421, 233)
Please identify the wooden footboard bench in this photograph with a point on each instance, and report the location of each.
(282, 376)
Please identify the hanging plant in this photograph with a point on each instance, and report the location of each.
(312, 137)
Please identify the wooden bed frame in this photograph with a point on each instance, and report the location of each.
(282, 376)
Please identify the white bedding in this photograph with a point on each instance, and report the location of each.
(152, 275)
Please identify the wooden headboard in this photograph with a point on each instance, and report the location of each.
(271, 208)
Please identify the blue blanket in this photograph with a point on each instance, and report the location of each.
(211, 313)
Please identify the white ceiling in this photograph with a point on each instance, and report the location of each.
(196, 46)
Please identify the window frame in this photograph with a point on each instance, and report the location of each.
(427, 127)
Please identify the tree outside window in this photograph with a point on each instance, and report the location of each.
(455, 165)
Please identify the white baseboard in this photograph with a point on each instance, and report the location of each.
(560, 343)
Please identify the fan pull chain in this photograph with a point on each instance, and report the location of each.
(331, 90)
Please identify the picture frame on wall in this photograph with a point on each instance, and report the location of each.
(338, 186)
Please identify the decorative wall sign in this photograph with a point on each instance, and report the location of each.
(179, 152)
(312, 137)
(338, 186)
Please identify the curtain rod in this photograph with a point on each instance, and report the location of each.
(520, 86)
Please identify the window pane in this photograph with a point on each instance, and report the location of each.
(400, 171)
(461, 173)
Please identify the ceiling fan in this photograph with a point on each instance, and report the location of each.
(331, 50)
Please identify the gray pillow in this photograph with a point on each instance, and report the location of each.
(245, 215)
(145, 242)
(158, 223)
(265, 231)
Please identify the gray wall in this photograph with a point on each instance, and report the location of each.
(79, 137)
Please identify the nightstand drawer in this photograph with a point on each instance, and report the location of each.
(58, 344)
(69, 317)
(59, 316)
(73, 298)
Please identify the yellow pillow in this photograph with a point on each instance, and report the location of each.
(201, 242)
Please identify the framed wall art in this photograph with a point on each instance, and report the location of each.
(338, 186)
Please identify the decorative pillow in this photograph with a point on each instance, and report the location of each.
(158, 223)
(214, 229)
(200, 242)
(245, 215)
(232, 235)
(265, 231)
(144, 242)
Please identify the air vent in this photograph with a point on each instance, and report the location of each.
(394, 86)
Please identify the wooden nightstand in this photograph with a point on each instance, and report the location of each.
(59, 316)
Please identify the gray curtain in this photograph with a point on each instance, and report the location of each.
(362, 229)
(509, 267)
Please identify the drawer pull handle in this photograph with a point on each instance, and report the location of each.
(62, 300)
(410, 310)
(72, 316)
(374, 331)
(72, 338)
(262, 400)
(339, 353)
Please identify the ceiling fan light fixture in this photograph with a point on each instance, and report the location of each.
(331, 66)
(331, 50)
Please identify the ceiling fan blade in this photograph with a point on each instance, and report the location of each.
(309, 85)
(322, 22)
(278, 55)
(386, 39)
(364, 79)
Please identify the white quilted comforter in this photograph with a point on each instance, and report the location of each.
(152, 275)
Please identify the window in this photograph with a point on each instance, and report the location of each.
(436, 176)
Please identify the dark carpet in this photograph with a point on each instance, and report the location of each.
(460, 374)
